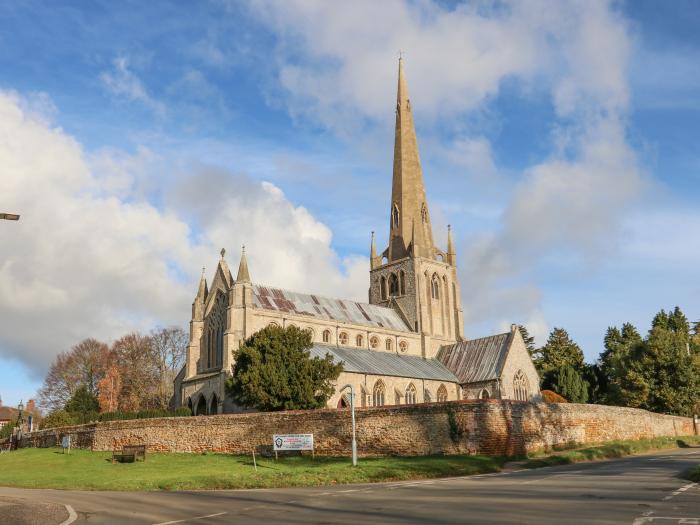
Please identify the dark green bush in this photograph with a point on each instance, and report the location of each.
(145, 414)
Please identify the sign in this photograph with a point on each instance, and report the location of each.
(65, 443)
(293, 442)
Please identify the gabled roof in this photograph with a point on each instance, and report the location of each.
(478, 359)
(364, 361)
(315, 306)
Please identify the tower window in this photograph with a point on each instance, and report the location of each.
(326, 336)
(388, 344)
(395, 216)
(393, 285)
(424, 213)
(435, 287)
(374, 342)
(402, 282)
(343, 338)
(358, 340)
(382, 288)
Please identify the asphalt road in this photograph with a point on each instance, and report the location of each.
(635, 490)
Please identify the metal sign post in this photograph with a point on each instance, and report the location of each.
(352, 412)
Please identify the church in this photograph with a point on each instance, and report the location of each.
(405, 345)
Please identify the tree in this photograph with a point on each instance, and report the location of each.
(83, 406)
(110, 389)
(135, 357)
(559, 351)
(57, 418)
(568, 383)
(274, 371)
(529, 342)
(84, 364)
(169, 350)
(614, 361)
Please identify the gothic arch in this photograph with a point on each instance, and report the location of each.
(214, 405)
(382, 287)
(410, 395)
(378, 393)
(442, 394)
(201, 407)
(394, 289)
(521, 386)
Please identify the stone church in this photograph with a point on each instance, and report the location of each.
(405, 345)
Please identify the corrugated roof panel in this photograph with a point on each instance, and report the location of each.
(478, 359)
(325, 308)
(363, 361)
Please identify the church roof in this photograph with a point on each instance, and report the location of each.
(318, 307)
(364, 361)
(476, 360)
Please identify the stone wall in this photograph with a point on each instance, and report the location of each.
(492, 427)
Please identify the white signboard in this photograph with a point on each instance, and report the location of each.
(293, 441)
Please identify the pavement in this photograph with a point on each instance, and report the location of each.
(637, 490)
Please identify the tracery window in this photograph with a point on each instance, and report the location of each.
(427, 396)
(484, 394)
(403, 346)
(442, 394)
(326, 336)
(378, 393)
(343, 338)
(374, 342)
(435, 287)
(393, 285)
(359, 340)
(411, 394)
(521, 386)
(388, 344)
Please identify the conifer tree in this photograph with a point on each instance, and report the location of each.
(568, 383)
(560, 351)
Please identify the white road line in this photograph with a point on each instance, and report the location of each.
(72, 516)
(191, 519)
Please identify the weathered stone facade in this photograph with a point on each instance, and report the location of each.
(487, 427)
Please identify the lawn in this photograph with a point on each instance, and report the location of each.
(82, 469)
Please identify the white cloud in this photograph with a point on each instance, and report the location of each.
(91, 257)
(124, 83)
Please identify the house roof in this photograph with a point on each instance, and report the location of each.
(8, 413)
(363, 361)
(318, 307)
(478, 359)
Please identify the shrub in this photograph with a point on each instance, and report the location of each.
(552, 397)
(6, 430)
(58, 418)
(145, 414)
(456, 432)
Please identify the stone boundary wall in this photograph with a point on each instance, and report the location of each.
(490, 427)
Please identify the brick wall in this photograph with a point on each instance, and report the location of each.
(492, 427)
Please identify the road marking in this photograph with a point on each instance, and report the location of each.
(191, 519)
(72, 516)
(678, 520)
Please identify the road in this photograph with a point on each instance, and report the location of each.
(636, 490)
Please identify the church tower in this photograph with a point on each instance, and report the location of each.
(412, 275)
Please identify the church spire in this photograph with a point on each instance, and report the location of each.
(203, 290)
(408, 203)
(243, 274)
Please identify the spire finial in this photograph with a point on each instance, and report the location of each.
(243, 273)
(223, 252)
(451, 255)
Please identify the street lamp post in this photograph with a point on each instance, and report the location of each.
(352, 412)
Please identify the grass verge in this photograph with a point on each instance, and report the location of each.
(85, 470)
(613, 449)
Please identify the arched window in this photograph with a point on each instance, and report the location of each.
(402, 283)
(395, 216)
(393, 285)
(378, 393)
(382, 287)
(403, 346)
(442, 394)
(427, 396)
(388, 344)
(435, 287)
(374, 342)
(359, 340)
(424, 213)
(343, 338)
(521, 386)
(484, 394)
(411, 394)
(214, 405)
(326, 336)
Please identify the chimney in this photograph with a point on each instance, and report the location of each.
(31, 406)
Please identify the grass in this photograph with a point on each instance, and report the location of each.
(85, 470)
(613, 449)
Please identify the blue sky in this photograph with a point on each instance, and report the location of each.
(138, 139)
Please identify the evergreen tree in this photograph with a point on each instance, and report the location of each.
(560, 351)
(529, 342)
(83, 405)
(273, 371)
(614, 360)
(568, 383)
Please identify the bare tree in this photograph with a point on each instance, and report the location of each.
(169, 349)
(139, 372)
(83, 365)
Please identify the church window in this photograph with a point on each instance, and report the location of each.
(520, 386)
(374, 342)
(382, 286)
(435, 287)
(442, 394)
(427, 396)
(402, 283)
(395, 216)
(273, 324)
(378, 394)
(403, 346)
(424, 213)
(326, 336)
(411, 394)
(393, 285)
(358, 340)
(484, 394)
(343, 338)
(388, 344)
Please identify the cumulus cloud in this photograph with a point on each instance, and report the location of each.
(93, 257)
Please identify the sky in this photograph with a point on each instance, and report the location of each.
(559, 139)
